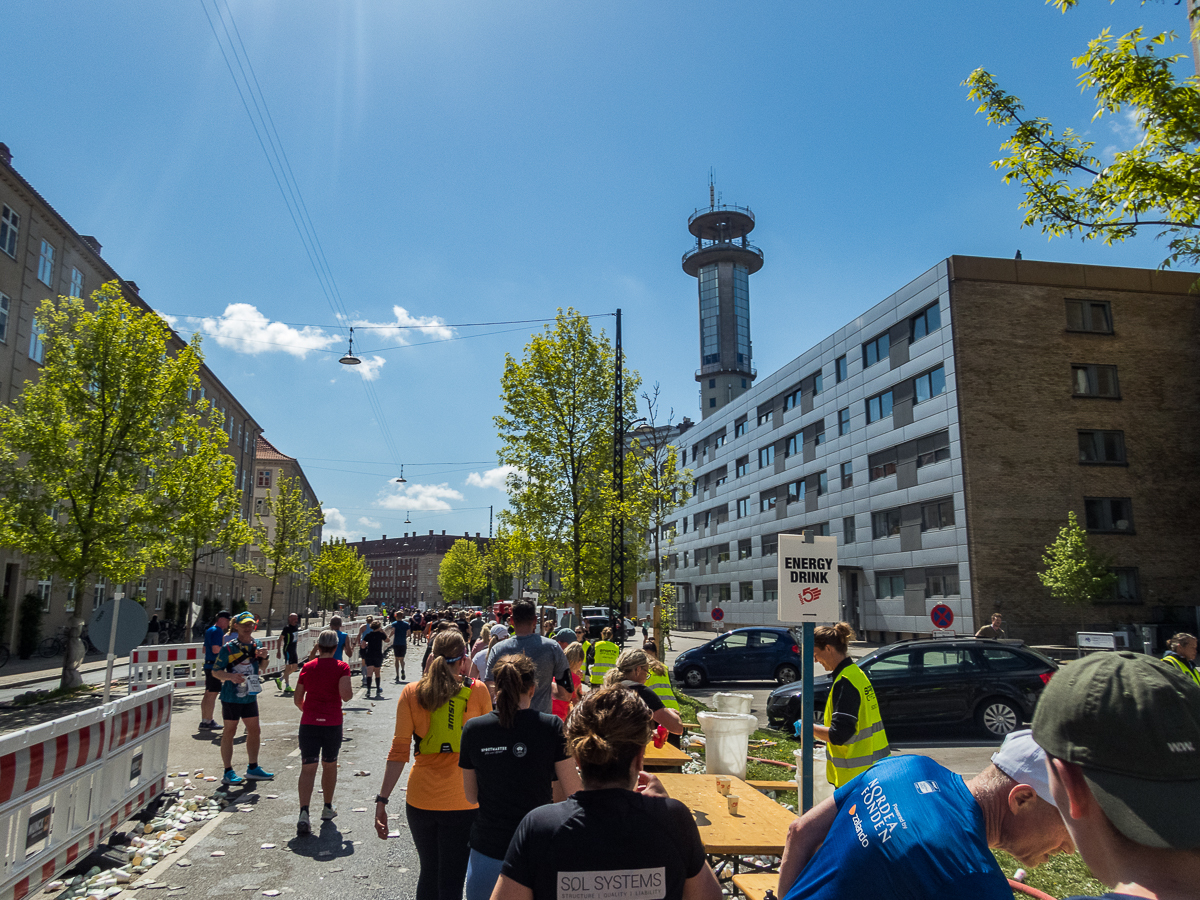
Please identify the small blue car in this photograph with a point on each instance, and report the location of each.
(747, 654)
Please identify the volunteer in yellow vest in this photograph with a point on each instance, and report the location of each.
(631, 671)
(660, 682)
(581, 635)
(853, 731)
(1182, 655)
(604, 657)
(431, 713)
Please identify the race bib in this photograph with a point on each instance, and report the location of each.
(254, 684)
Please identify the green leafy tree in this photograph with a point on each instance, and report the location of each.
(462, 573)
(1075, 573)
(1154, 185)
(659, 487)
(666, 619)
(324, 576)
(286, 540)
(201, 487)
(556, 430)
(499, 563)
(84, 449)
(356, 579)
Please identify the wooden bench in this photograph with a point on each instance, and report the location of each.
(754, 885)
(772, 785)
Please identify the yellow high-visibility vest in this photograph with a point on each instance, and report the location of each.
(604, 657)
(661, 685)
(868, 745)
(1182, 666)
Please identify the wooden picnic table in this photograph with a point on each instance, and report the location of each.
(755, 886)
(759, 828)
(666, 757)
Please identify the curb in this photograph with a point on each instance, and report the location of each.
(164, 865)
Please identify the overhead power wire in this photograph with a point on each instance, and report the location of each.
(364, 327)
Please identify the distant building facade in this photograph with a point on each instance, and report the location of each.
(41, 255)
(404, 570)
(292, 592)
(943, 436)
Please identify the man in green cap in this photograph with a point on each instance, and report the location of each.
(1121, 733)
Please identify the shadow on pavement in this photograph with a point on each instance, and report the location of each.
(326, 844)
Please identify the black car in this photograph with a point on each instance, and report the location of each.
(746, 654)
(995, 684)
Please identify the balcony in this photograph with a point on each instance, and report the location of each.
(743, 253)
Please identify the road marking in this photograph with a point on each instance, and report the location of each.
(295, 752)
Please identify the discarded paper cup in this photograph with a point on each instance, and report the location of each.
(723, 784)
(732, 800)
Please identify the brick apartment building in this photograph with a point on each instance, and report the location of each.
(404, 570)
(943, 436)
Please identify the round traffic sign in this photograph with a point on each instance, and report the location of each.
(942, 616)
(718, 614)
(131, 626)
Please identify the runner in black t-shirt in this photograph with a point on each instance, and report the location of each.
(399, 645)
(287, 648)
(370, 645)
(509, 759)
(620, 826)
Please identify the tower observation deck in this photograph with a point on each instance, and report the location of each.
(722, 262)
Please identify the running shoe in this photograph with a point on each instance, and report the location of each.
(278, 683)
(207, 725)
(287, 692)
(232, 777)
(303, 826)
(258, 773)
(397, 681)
(328, 813)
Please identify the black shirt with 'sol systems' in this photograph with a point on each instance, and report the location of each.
(514, 769)
(603, 843)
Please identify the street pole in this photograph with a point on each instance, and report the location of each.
(807, 712)
(616, 575)
(118, 596)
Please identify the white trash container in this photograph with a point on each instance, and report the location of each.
(734, 703)
(822, 789)
(727, 736)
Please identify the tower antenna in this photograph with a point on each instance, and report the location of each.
(712, 187)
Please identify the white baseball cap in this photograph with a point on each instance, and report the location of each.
(1022, 760)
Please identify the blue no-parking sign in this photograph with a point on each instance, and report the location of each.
(942, 616)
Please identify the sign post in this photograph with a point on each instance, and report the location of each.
(808, 594)
(121, 638)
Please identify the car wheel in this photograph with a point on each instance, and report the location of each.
(786, 674)
(998, 717)
(693, 678)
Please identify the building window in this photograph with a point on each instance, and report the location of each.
(839, 368)
(76, 283)
(712, 402)
(37, 349)
(925, 322)
(848, 530)
(1126, 588)
(740, 467)
(45, 585)
(10, 226)
(710, 317)
(879, 407)
(844, 421)
(766, 502)
(1109, 514)
(792, 400)
(822, 483)
(889, 586)
(264, 478)
(882, 464)
(821, 529)
(941, 582)
(1095, 381)
(770, 545)
(770, 590)
(931, 384)
(744, 551)
(939, 514)
(1102, 447)
(743, 507)
(46, 264)
(885, 524)
(933, 448)
(875, 349)
(766, 456)
(818, 383)
(793, 445)
(764, 416)
(741, 312)
(746, 591)
(722, 552)
(1089, 315)
(3, 319)
(847, 474)
(739, 427)
(796, 491)
(719, 440)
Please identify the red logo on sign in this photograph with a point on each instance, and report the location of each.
(810, 595)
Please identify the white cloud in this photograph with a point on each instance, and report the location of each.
(369, 368)
(405, 326)
(421, 496)
(244, 329)
(493, 478)
(336, 526)
(369, 523)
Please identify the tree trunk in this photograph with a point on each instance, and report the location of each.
(271, 602)
(657, 613)
(187, 631)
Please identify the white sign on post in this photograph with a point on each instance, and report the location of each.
(808, 579)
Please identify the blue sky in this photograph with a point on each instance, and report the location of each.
(482, 162)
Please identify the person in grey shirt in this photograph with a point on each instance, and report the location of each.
(545, 654)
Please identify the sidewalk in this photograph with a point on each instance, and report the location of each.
(25, 672)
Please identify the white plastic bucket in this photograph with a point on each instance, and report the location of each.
(822, 789)
(727, 736)
(734, 703)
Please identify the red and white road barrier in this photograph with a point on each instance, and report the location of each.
(66, 785)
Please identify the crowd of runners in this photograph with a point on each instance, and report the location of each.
(527, 747)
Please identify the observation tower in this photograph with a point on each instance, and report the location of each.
(722, 262)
